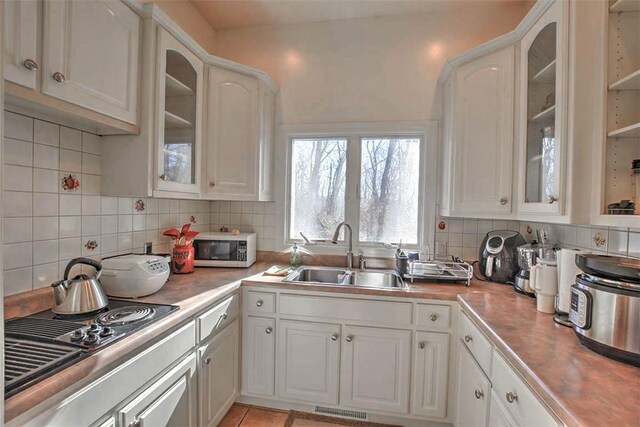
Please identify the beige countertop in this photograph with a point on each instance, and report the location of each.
(580, 386)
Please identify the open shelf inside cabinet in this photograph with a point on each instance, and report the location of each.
(628, 82)
(173, 121)
(175, 87)
(624, 6)
(547, 75)
(631, 131)
(548, 114)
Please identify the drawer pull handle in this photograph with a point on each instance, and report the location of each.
(434, 317)
(467, 338)
(30, 65)
(479, 393)
(259, 303)
(58, 77)
(512, 397)
(349, 338)
(163, 177)
(421, 345)
(224, 316)
(269, 330)
(504, 201)
(207, 360)
(135, 423)
(212, 184)
(335, 337)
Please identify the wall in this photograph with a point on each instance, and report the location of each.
(45, 225)
(364, 70)
(190, 20)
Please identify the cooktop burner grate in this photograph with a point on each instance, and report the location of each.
(25, 360)
(43, 328)
(125, 315)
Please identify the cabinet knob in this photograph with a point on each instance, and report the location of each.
(467, 338)
(163, 177)
(269, 330)
(433, 317)
(212, 184)
(504, 201)
(512, 397)
(135, 423)
(59, 77)
(349, 338)
(30, 64)
(479, 393)
(224, 316)
(207, 360)
(421, 345)
(335, 337)
(552, 199)
(259, 303)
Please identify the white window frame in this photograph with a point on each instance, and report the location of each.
(354, 133)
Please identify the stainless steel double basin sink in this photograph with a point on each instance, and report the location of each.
(381, 279)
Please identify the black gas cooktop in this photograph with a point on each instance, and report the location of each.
(44, 343)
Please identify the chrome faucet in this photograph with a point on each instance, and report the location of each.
(334, 240)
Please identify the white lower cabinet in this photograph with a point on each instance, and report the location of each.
(170, 401)
(498, 415)
(308, 361)
(259, 356)
(218, 361)
(430, 374)
(474, 392)
(376, 369)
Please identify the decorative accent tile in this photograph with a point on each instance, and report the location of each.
(70, 183)
(138, 205)
(91, 245)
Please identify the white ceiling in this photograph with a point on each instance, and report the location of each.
(228, 14)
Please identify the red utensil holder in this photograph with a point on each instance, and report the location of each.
(182, 259)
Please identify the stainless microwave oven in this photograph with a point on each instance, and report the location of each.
(225, 249)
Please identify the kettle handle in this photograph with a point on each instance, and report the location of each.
(81, 260)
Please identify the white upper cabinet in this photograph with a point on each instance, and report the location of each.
(240, 137)
(90, 55)
(178, 116)
(478, 143)
(21, 60)
(543, 114)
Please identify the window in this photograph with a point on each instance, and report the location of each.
(372, 182)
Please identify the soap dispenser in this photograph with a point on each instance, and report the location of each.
(296, 256)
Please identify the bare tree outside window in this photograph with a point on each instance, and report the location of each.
(389, 183)
(178, 162)
(317, 186)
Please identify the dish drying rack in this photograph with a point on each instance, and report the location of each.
(455, 270)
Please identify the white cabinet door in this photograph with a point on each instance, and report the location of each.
(233, 140)
(308, 361)
(375, 369)
(259, 356)
(91, 55)
(21, 42)
(430, 374)
(170, 401)
(179, 90)
(498, 415)
(218, 375)
(543, 113)
(481, 135)
(473, 394)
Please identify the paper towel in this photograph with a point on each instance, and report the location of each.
(567, 272)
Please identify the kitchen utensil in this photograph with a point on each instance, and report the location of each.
(133, 276)
(497, 256)
(567, 272)
(544, 280)
(82, 294)
(605, 306)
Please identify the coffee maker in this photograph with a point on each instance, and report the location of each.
(497, 256)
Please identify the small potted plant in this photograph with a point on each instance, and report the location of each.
(183, 252)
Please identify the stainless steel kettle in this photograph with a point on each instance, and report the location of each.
(82, 294)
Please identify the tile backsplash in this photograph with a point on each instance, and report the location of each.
(53, 210)
(462, 237)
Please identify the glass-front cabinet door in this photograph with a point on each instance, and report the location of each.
(543, 114)
(179, 115)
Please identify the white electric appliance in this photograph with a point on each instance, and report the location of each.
(132, 276)
(225, 249)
